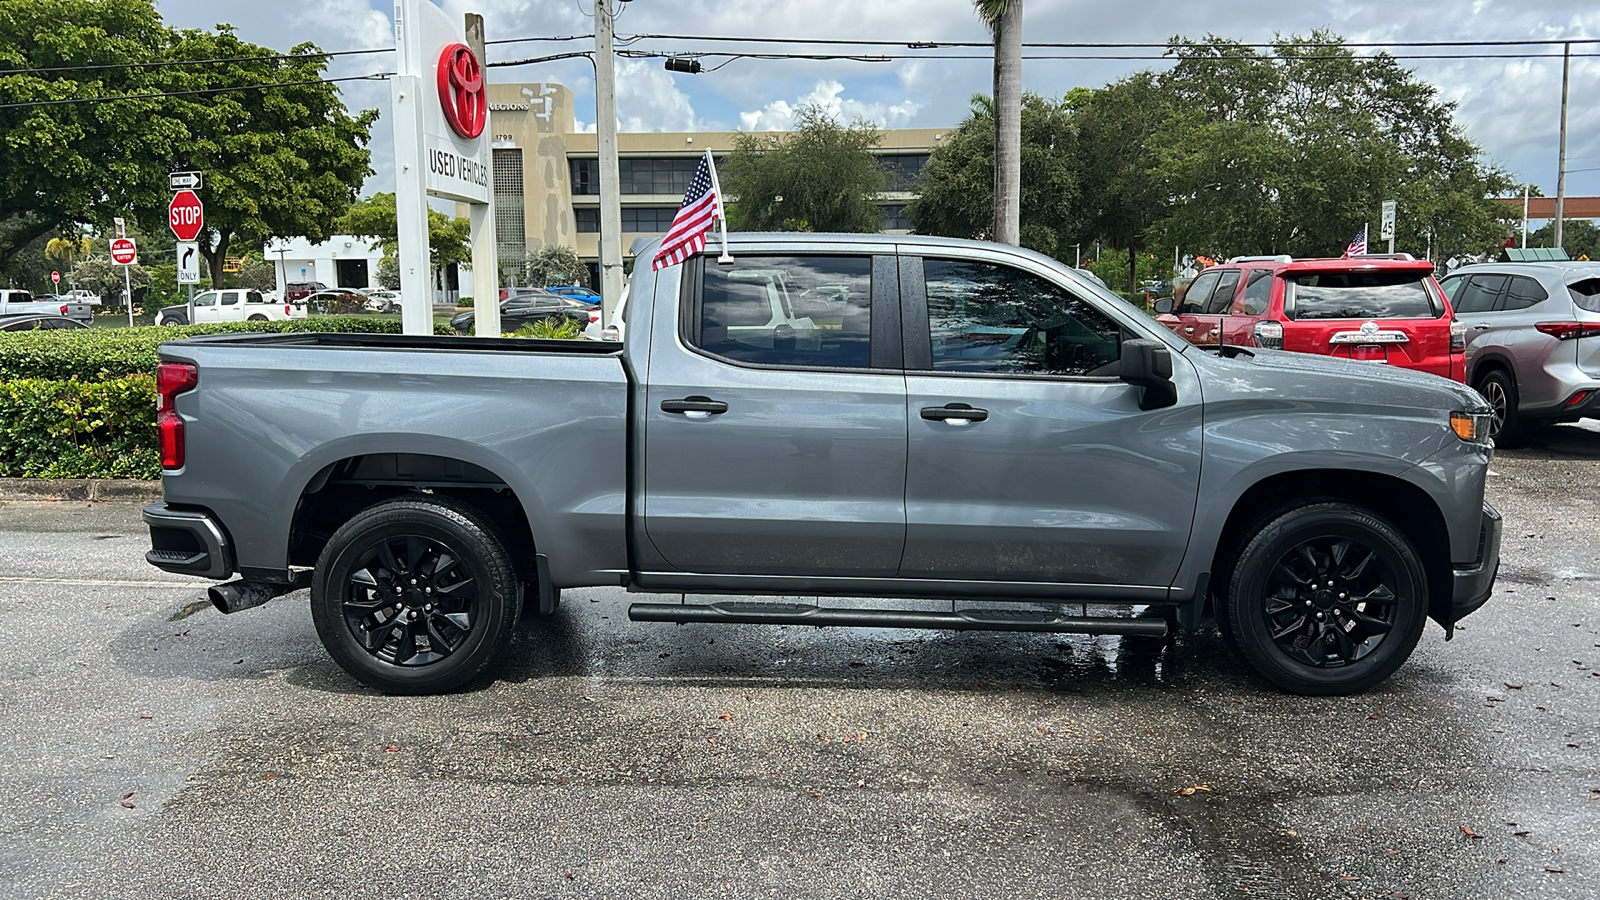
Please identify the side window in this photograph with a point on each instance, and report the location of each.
(1479, 293)
(1522, 293)
(1222, 298)
(254, 297)
(994, 319)
(1258, 292)
(209, 298)
(811, 311)
(1194, 299)
(1586, 293)
(1451, 286)
(230, 298)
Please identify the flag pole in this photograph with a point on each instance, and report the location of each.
(722, 220)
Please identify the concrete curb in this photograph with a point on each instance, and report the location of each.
(125, 489)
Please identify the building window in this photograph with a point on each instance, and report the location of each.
(903, 170)
(588, 218)
(894, 217)
(585, 176)
(510, 223)
(657, 176)
(648, 219)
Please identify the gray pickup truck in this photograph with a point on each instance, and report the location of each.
(831, 416)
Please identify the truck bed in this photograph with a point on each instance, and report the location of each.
(418, 342)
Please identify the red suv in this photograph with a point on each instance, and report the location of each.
(1380, 308)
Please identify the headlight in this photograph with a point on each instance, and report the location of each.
(1472, 427)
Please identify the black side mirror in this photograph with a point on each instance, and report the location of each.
(1162, 306)
(1148, 364)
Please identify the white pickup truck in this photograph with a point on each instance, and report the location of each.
(231, 305)
(14, 301)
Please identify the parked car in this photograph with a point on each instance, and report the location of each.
(423, 486)
(299, 290)
(1533, 340)
(15, 301)
(81, 295)
(527, 308)
(594, 331)
(38, 322)
(1384, 309)
(587, 295)
(336, 301)
(230, 305)
(382, 301)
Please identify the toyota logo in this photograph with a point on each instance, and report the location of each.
(461, 90)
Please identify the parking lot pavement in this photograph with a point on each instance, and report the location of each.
(156, 748)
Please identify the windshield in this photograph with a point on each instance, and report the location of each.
(1401, 294)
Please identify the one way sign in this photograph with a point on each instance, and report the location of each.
(184, 181)
(188, 262)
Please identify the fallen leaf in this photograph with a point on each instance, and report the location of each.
(128, 796)
(127, 805)
(1349, 877)
(711, 740)
(726, 717)
(1514, 687)
(1556, 869)
(1371, 716)
(1188, 791)
(146, 716)
(269, 776)
(1519, 834)
(567, 874)
(390, 748)
(1470, 833)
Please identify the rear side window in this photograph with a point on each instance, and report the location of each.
(1258, 292)
(1361, 295)
(808, 311)
(1478, 293)
(1586, 293)
(1522, 293)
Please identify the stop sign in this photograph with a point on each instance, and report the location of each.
(185, 215)
(55, 277)
(123, 251)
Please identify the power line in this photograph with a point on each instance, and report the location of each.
(1083, 45)
(163, 63)
(892, 57)
(158, 95)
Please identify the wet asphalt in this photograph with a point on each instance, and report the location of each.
(153, 747)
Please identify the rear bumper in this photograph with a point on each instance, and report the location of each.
(1474, 582)
(187, 542)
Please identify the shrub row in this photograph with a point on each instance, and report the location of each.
(97, 353)
(79, 429)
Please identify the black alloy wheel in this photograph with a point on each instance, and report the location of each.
(1327, 599)
(415, 596)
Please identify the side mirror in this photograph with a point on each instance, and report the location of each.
(1163, 306)
(1148, 364)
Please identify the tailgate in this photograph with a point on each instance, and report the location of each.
(1422, 344)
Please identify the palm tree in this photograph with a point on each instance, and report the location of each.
(1004, 18)
(66, 249)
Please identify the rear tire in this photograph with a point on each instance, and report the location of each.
(415, 596)
(1500, 390)
(258, 318)
(1327, 599)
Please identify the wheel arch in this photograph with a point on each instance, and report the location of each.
(1484, 363)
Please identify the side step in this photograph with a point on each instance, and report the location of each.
(755, 613)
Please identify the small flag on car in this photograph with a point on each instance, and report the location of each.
(702, 205)
(1358, 247)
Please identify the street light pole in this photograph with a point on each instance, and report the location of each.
(605, 101)
(1561, 159)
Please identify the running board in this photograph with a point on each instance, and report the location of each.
(747, 613)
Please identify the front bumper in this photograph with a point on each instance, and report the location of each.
(187, 542)
(1474, 582)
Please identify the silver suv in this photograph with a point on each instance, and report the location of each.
(1533, 340)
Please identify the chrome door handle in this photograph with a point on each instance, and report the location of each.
(1481, 325)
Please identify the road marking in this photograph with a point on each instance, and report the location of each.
(100, 582)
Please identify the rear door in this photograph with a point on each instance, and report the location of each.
(771, 449)
(1029, 460)
(1238, 328)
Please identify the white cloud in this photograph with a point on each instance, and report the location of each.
(779, 115)
(649, 100)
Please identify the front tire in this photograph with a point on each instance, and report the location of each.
(1327, 599)
(415, 596)
(172, 320)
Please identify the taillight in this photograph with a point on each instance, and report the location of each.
(1269, 334)
(1458, 335)
(594, 316)
(1577, 399)
(1567, 331)
(172, 379)
(286, 309)
(63, 309)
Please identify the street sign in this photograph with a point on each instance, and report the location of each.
(1386, 224)
(188, 262)
(55, 277)
(123, 251)
(122, 228)
(185, 181)
(185, 214)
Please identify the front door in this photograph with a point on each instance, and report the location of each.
(775, 419)
(1029, 460)
(1193, 321)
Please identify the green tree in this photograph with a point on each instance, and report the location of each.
(554, 264)
(70, 162)
(389, 273)
(1004, 18)
(821, 177)
(1581, 237)
(258, 273)
(104, 277)
(66, 250)
(281, 159)
(957, 181)
(374, 217)
(1117, 147)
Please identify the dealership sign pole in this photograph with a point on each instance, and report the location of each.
(441, 111)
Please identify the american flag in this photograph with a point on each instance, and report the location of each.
(1358, 247)
(701, 206)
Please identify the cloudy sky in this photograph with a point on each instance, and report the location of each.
(1509, 106)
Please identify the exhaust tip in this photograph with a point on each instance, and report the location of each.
(237, 595)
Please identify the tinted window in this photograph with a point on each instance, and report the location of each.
(1586, 293)
(1199, 291)
(810, 311)
(1450, 286)
(1361, 295)
(254, 297)
(988, 318)
(1522, 293)
(1478, 294)
(1258, 292)
(1222, 298)
(230, 298)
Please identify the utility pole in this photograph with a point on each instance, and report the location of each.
(1561, 159)
(605, 101)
